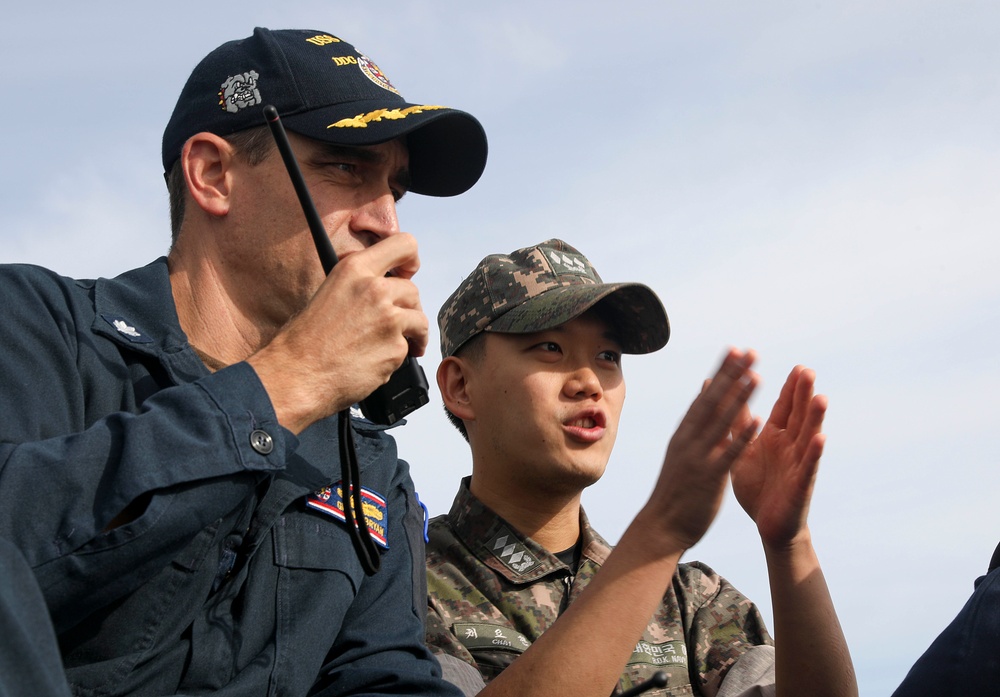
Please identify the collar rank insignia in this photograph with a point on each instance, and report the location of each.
(508, 549)
(126, 329)
(330, 500)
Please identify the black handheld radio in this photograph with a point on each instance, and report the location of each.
(406, 390)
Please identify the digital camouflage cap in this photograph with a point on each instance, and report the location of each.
(542, 287)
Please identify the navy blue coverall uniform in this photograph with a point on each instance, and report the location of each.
(224, 581)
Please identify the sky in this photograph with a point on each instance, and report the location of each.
(814, 180)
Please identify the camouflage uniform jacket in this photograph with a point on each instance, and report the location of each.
(491, 592)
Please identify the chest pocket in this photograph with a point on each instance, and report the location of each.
(312, 541)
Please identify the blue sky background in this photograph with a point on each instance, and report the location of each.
(816, 180)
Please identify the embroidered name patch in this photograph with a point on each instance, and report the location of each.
(669, 654)
(330, 500)
(480, 636)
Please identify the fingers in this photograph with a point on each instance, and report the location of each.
(741, 439)
(802, 392)
(732, 378)
(363, 321)
(801, 413)
(394, 255)
(812, 425)
(797, 410)
(807, 468)
(379, 287)
(721, 407)
(710, 438)
(783, 406)
(718, 426)
(416, 333)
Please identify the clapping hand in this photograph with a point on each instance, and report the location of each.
(774, 476)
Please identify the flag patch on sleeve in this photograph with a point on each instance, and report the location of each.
(330, 500)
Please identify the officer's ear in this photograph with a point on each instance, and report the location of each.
(453, 376)
(206, 161)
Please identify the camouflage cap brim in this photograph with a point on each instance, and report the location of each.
(636, 314)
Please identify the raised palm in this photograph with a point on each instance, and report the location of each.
(774, 476)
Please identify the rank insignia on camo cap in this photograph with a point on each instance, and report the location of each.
(541, 287)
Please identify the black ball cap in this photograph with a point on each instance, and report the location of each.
(323, 88)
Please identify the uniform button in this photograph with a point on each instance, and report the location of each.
(262, 442)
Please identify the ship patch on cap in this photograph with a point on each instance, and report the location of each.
(375, 74)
